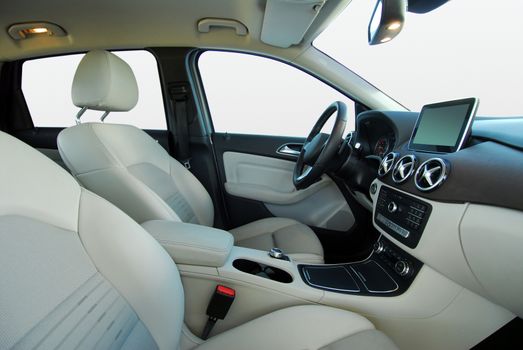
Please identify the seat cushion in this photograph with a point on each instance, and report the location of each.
(303, 327)
(294, 238)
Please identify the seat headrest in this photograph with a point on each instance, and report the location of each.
(104, 82)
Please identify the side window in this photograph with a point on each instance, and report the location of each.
(46, 84)
(248, 94)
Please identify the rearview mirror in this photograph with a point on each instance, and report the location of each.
(386, 21)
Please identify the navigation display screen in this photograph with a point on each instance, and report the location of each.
(443, 127)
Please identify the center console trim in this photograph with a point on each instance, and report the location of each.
(307, 279)
(375, 291)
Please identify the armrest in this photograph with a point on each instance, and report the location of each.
(192, 244)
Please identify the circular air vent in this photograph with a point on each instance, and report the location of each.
(431, 174)
(387, 163)
(404, 168)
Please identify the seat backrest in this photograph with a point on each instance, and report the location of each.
(75, 270)
(121, 162)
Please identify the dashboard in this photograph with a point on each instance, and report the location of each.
(468, 226)
(376, 136)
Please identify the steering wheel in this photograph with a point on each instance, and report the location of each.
(320, 148)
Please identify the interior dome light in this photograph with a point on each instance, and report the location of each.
(21, 31)
(394, 26)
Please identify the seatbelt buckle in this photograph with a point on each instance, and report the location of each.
(187, 163)
(218, 307)
(221, 302)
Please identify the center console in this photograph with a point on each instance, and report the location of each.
(402, 216)
(388, 271)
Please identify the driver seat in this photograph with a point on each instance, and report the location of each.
(130, 169)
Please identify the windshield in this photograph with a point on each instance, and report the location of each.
(465, 48)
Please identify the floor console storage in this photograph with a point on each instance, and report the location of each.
(401, 216)
(389, 271)
(262, 270)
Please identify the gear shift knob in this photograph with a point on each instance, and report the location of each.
(277, 253)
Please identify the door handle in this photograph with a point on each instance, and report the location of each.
(290, 149)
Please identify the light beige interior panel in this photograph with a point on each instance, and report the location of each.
(466, 321)
(269, 180)
(424, 311)
(492, 239)
(250, 302)
(440, 244)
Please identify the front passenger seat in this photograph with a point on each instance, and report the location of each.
(130, 169)
(77, 273)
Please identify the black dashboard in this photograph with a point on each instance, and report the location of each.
(486, 171)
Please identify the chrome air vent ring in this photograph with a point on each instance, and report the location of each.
(387, 163)
(404, 168)
(431, 174)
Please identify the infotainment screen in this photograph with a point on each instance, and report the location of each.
(443, 127)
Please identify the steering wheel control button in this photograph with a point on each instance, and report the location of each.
(431, 174)
(404, 168)
(387, 163)
(392, 207)
(402, 268)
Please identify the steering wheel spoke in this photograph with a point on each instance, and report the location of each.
(320, 148)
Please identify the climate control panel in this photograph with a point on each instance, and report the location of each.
(401, 216)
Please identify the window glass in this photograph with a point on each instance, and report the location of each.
(248, 94)
(465, 48)
(47, 82)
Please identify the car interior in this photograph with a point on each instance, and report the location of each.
(212, 174)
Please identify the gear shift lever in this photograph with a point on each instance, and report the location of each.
(277, 253)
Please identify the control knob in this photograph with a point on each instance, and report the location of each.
(392, 207)
(402, 267)
(379, 247)
(277, 253)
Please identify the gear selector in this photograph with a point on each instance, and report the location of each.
(277, 253)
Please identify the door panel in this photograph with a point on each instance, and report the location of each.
(253, 171)
(269, 180)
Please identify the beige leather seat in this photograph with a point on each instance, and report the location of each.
(127, 167)
(77, 272)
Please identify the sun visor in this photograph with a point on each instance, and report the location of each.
(286, 21)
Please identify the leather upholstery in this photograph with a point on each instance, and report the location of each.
(104, 82)
(77, 272)
(55, 239)
(301, 327)
(127, 167)
(298, 240)
(192, 244)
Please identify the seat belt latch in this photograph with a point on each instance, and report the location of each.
(218, 307)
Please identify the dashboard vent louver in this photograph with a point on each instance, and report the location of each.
(404, 168)
(387, 163)
(431, 174)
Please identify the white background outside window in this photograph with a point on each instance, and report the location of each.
(46, 84)
(248, 94)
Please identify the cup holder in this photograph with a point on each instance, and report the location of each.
(262, 270)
